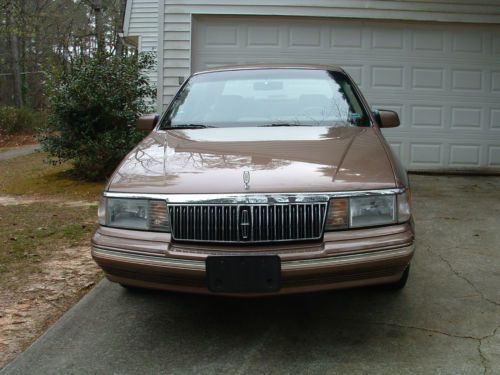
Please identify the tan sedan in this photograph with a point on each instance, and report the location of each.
(259, 180)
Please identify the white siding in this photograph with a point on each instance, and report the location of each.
(141, 20)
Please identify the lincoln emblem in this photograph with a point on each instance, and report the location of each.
(246, 179)
(245, 224)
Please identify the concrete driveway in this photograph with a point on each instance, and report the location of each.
(446, 321)
(18, 151)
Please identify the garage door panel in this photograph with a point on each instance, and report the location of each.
(427, 78)
(225, 35)
(467, 80)
(471, 42)
(495, 82)
(464, 155)
(494, 156)
(428, 41)
(387, 38)
(496, 45)
(426, 154)
(262, 35)
(442, 79)
(304, 36)
(495, 119)
(466, 117)
(346, 37)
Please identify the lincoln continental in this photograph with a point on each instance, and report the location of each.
(259, 180)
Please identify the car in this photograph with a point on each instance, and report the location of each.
(259, 180)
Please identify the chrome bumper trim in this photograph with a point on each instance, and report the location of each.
(148, 259)
(256, 198)
(372, 256)
(199, 265)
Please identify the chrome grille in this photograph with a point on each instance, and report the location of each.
(247, 223)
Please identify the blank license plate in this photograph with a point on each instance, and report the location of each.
(243, 274)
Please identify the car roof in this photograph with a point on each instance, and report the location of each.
(224, 68)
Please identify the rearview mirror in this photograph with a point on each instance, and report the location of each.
(386, 118)
(147, 123)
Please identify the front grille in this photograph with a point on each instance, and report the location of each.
(247, 223)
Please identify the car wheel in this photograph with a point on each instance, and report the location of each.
(131, 289)
(401, 283)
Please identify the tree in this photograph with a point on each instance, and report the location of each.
(36, 35)
(96, 6)
(10, 20)
(93, 110)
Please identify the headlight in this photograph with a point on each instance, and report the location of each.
(372, 210)
(368, 211)
(140, 214)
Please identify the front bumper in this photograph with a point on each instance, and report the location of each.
(342, 260)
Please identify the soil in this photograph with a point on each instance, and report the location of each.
(31, 302)
(15, 140)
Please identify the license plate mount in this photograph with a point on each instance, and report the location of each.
(243, 274)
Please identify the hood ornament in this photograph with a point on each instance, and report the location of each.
(246, 179)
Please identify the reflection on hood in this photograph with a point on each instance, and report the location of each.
(280, 159)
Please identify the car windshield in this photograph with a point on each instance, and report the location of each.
(266, 97)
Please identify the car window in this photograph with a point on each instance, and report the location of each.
(267, 97)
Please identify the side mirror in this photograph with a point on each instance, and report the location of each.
(387, 119)
(147, 123)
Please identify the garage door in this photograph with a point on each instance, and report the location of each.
(442, 79)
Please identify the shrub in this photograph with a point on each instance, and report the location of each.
(20, 120)
(93, 109)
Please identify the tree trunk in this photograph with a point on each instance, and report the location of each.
(99, 27)
(119, 39)
(16, 66)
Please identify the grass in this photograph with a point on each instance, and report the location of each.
(31, 175)
(30, 233)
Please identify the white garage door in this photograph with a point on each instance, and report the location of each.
(442, 79)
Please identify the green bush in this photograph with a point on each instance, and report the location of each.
(20, 120)
(93, 111)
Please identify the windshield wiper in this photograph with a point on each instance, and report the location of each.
(191, 126)
(283, 124)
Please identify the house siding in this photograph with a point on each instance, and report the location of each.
(141, 20)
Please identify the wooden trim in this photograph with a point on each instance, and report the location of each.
(126, 21)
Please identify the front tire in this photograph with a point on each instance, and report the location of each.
(131, 289)
(401, 283)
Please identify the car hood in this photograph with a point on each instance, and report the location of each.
(278, 159)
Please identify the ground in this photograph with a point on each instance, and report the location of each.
(46, 219)
(16, 140)
(446, 320)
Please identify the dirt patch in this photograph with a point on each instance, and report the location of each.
(46, 220)
(6, 200)
(30, 305)
(16, 140)
(45, 265)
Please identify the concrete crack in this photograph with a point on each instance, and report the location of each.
(458, 274)
(429, 330)
(484, 360)
(479, 340)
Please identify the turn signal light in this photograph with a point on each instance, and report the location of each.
(338, 214)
